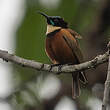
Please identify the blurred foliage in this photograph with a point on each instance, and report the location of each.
(30, 36)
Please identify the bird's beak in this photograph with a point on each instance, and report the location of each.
(43, 14)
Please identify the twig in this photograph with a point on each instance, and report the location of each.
(100, 59)
(107, 85)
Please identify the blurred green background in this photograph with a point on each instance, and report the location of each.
(90, 18)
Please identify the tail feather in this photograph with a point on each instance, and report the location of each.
(75, 86)
(76, 79)
(83, 78)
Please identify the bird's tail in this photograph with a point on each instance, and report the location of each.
(75, 86)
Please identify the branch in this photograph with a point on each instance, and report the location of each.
(107, 85)
(100, 59)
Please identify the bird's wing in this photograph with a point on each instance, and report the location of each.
(75, 34)
(73, 44)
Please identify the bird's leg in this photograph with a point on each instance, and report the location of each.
(69, 64)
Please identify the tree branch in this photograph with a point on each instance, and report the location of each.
(100, 59)
(107, 85)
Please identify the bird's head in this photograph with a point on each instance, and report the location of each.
(55, 20)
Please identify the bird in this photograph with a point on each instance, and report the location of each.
(62, 47)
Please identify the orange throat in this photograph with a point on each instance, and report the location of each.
(51, 28)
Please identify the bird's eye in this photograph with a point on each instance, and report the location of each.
(55, 20)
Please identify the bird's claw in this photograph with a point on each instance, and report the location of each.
(59, 68)
(52, 65)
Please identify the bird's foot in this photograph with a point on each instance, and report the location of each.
(52, 65)
(59, 67)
